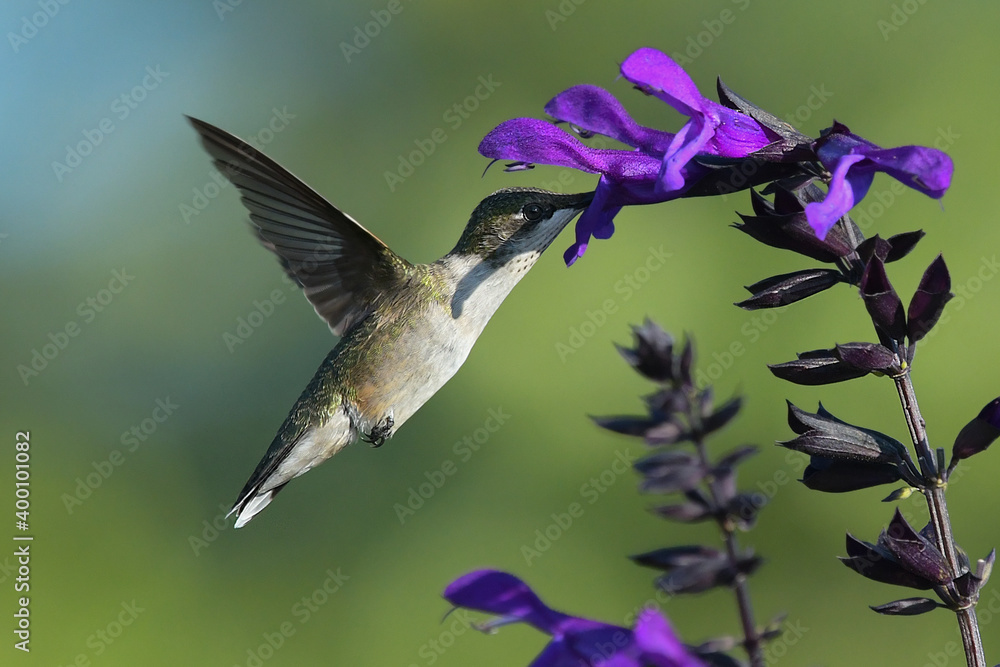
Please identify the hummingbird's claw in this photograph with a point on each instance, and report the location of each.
(380, 432)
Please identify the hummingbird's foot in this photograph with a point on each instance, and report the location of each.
(380, 432)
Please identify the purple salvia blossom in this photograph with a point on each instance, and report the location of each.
(663, 166)
(853, 161)
(627, 177)
(659, 169)
(575, 641)
(712, 129)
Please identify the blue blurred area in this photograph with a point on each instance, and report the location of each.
(145, 424)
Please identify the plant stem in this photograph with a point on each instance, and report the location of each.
(973, 643)
(751, 638)
(937, 507)
(752, 642)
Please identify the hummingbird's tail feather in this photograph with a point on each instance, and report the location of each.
(248, 507)
(297, 448)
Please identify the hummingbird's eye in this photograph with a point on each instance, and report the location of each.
(533, 212)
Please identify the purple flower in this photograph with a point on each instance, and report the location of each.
(575, 641)
(853, 161)
(712, 129)
(627, 177)
(705, 156)
(659, 169)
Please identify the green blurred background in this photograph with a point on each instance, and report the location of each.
(141, 548)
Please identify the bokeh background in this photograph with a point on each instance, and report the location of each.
(132, 561)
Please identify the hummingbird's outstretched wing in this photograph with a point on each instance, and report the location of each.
(332, 257)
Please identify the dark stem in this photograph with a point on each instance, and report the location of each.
(751, 641)
(938, 510)
(973, 643)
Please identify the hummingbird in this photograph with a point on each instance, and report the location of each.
(405, 329)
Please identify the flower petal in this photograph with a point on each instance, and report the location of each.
(846, 188)
(594, 109)
(657, 73)
(927, 170)
(658, 643)
(712, 129)
(686, 144)
(596, 221)
(533, 140)
(596, 644)
(503, 594)
(854, 160)
(537, 141)
(736, 134)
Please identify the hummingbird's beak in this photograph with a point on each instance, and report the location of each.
(582, 200)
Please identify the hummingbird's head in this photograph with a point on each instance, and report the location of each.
(517, 224)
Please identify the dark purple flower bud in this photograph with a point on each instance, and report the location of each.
(979, 433)
(720, 417)
(765, 208)
(901, 245)
(969, 584)
(673, 479)
(791, 145)
(725, 485)
(850, 445)
(867, 356)
(817, 367)
(927, 304)
(876, 246)
(791, 233)
(825, 436)
(627, 425)
(695, 574)
(670, 558)
(839, 476)
(783, 224)
(744, 508)
(667, 432)
(878, 563)
(694, 569)
(667, 401)
(653, 356)
(907, 607)
(914, 551)
(884, 306)
(664, 461)
(792, 199)
(696, 578)
(788, 288)
(686, 512)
